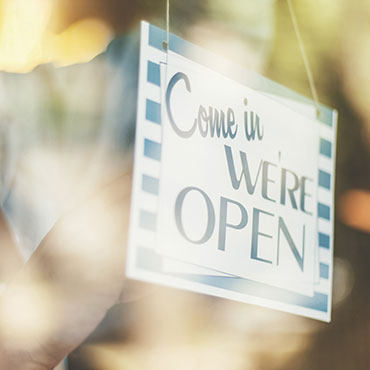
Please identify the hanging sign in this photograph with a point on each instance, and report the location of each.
(233, 182)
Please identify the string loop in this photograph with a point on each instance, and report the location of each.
(300, 44)
(305, 59)
(166, 43)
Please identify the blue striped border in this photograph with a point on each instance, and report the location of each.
(154, 73)
(152, 150)
(324, 271)
(153, 111)
(150, 184)
(323, 211)
(325, 148)
(148, 220)
(324, 241)
(149, 260)
(324, 179)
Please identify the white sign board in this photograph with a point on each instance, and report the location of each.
(233, 183)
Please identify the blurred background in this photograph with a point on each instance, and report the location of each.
(67, 114)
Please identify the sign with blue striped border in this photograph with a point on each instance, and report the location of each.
(145, 261)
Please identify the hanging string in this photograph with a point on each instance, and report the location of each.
(166, 43)
(305, 59)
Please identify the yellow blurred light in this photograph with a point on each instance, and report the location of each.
(27, 41)
(23, 26)
(81, 42)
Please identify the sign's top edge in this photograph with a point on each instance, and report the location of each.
(230, 69)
